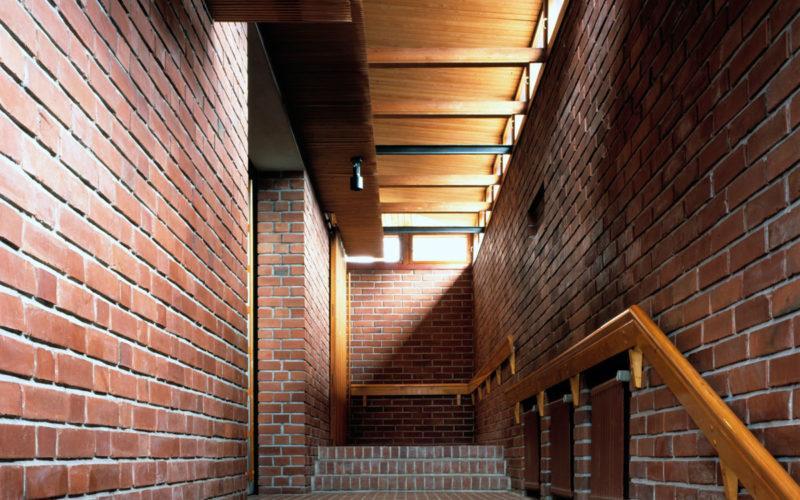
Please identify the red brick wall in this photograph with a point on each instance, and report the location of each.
(123, 202)
(410, 326)
(292, 332)
(666, 134)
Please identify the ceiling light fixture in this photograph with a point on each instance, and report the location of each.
(356, 181)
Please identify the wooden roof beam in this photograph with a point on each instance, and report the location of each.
(390, 108)
(281, 11)
(437, 180)
(390, 57)
(430, 207)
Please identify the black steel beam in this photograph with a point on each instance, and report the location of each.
(432, 230)
(465, 149)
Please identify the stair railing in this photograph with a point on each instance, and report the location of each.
(481, 381)
(743, 458)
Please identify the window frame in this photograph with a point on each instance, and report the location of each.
(406, 261)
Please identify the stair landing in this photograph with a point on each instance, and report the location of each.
(411, 468)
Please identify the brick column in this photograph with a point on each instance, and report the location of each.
(292, 332)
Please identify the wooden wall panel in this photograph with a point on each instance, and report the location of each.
(560, 448)
(339, 343)
(609, 441)
(531, 436)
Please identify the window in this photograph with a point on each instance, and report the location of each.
(440, 248)
(391, 249)
(391, 252)
(409, 250)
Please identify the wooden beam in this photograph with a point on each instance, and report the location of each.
(392, 108)
(391, 57)
(433, 207)
(437, 180)
(281, 11)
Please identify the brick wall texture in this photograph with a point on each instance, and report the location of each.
(123, 215)
(666, 136)
(292, 274)
(410, 326)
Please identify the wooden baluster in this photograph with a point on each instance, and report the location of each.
(513, 358)
(635, 357)
(575, 388)
(517, 411)
(730, 482)
(540, 403)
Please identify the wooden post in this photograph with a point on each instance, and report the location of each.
(517, 412)
(635, 357)
(498, 378)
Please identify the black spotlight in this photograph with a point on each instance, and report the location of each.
(356, 181)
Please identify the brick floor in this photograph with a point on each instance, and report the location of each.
(423, 495)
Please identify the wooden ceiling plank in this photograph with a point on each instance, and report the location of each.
(434, 207)
(281, 11)
(390, 108)
(392, 57)
(437, 180)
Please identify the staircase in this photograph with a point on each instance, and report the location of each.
(410, 468)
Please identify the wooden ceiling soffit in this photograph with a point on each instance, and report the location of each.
(322, 73)
(281, 11)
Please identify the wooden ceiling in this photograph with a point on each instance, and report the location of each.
(445, 72)
(401, 73)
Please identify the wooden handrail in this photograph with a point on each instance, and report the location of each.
(408, 389)
(504, 351)
(742, 456)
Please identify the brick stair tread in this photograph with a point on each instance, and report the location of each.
(411, 466)
(413, 452)
(415, 482)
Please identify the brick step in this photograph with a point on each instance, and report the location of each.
(461, 451)
(341, 466)
(432, 482)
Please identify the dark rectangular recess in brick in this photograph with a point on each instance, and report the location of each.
(532, 464)
(561, 448)
(609, 462)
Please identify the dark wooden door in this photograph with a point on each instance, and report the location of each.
(609, 441)
(561, 448)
